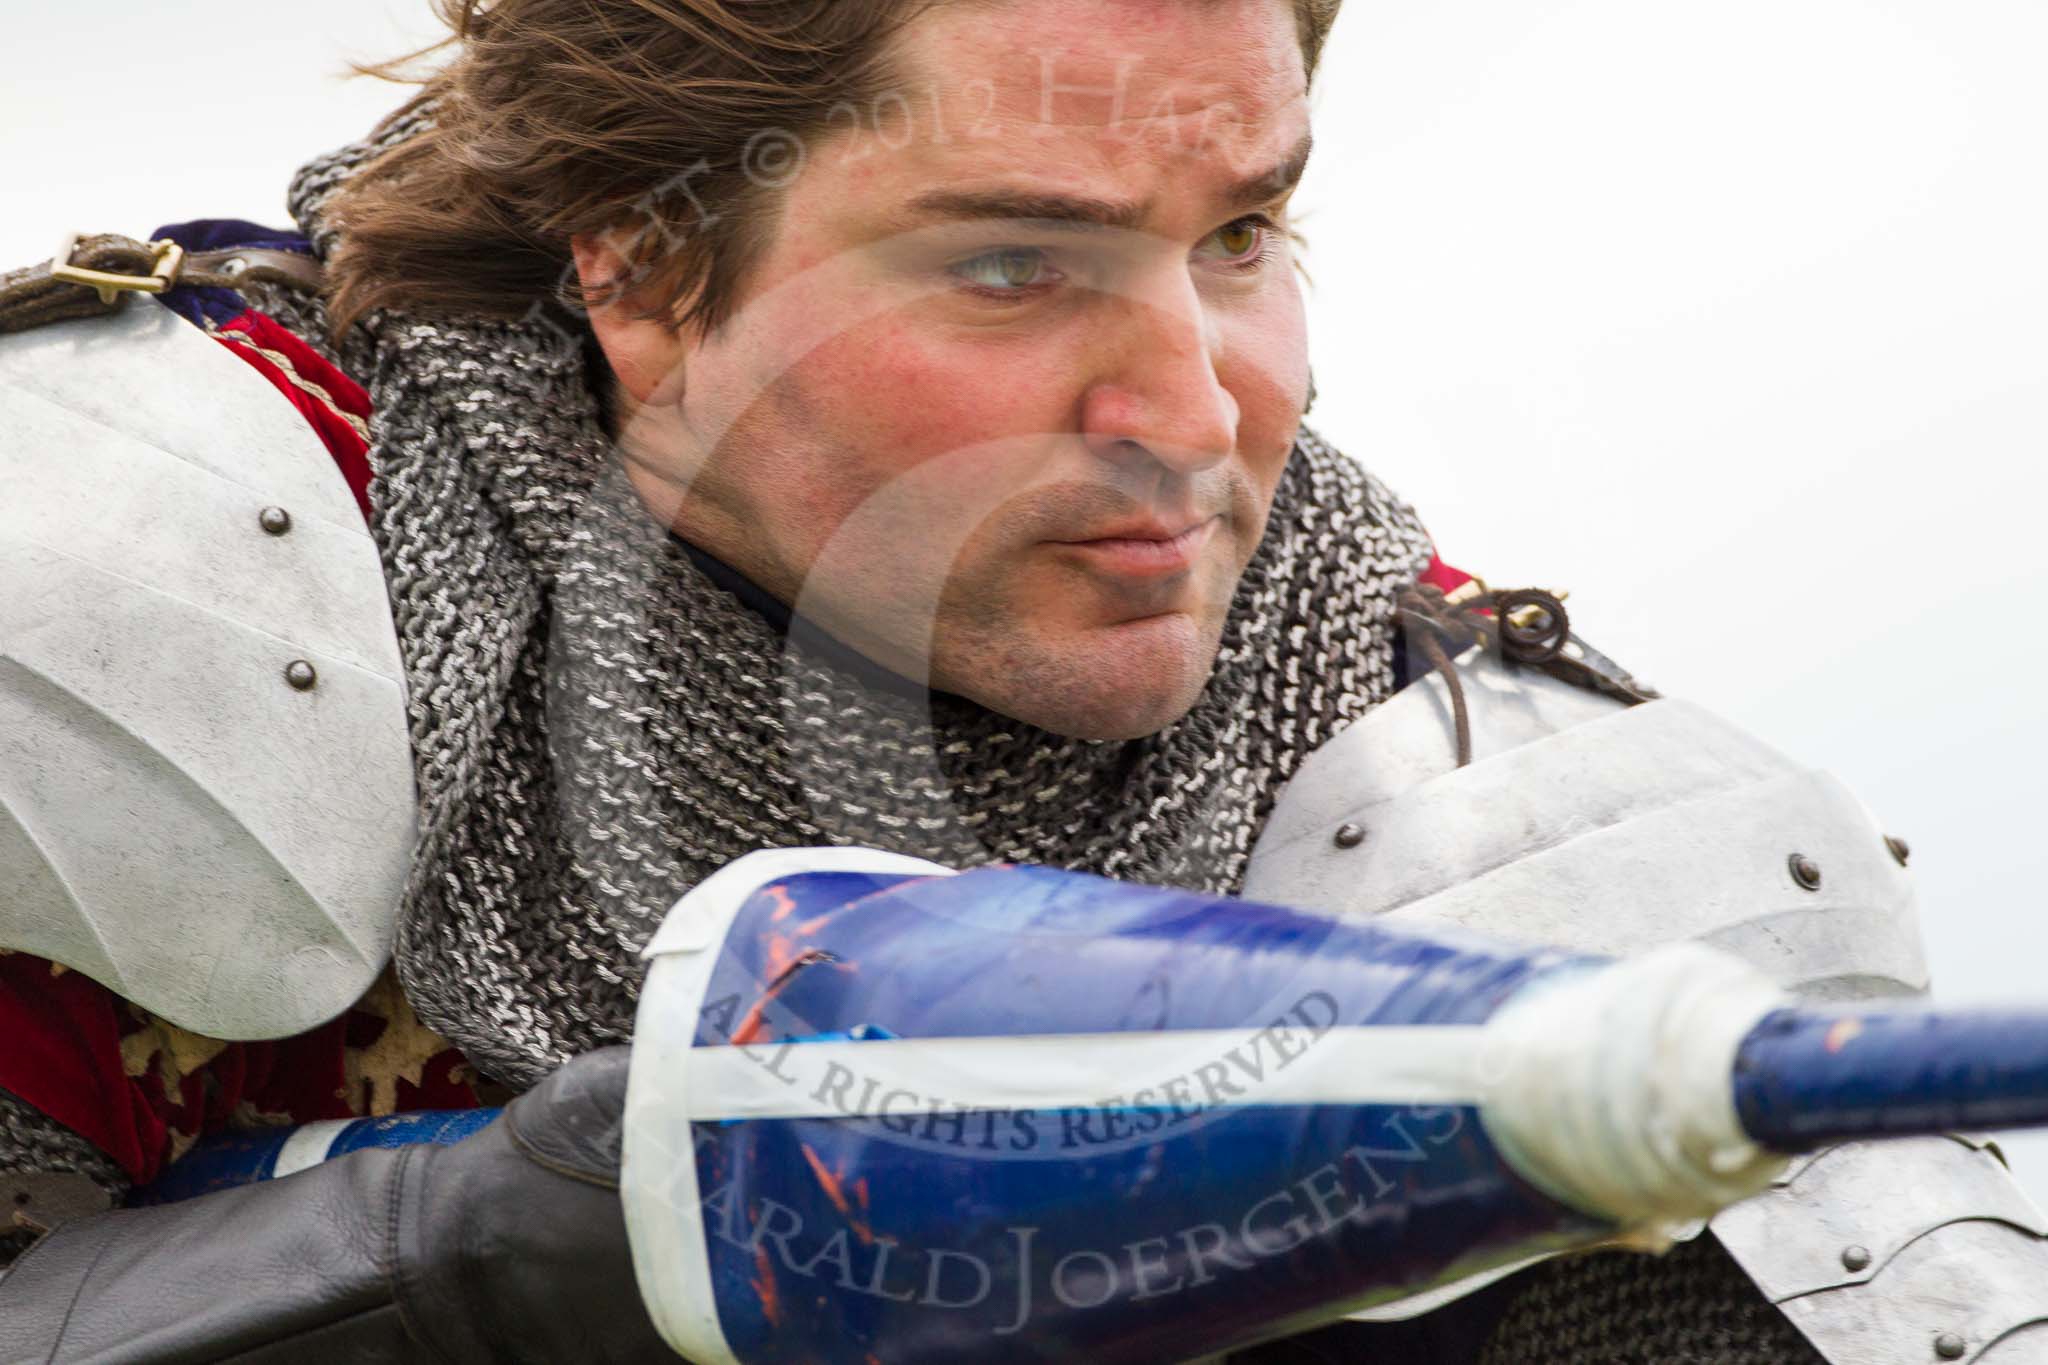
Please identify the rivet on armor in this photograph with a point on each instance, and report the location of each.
(1950, 1346)
(300, 674)
(1805, 871)
(233, 265)
(1349, 835)
(1856, 1258)
(1901, 850)
(275, 520)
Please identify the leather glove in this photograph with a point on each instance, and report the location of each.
(507, 1246)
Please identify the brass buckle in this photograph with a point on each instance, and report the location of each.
(167, 258)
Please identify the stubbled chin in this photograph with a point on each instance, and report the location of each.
(1110, 682)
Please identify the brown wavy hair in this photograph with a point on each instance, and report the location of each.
(657, 121)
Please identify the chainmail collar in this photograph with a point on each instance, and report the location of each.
(597, 725)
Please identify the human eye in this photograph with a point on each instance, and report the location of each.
(1242, 244)
(1011, 271)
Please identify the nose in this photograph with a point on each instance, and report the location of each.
(1157, 397)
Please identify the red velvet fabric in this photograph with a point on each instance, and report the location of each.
(323, 394)
(1442, 575)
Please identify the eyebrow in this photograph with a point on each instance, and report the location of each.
(1079, 211)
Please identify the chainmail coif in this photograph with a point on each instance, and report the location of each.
(597, 727)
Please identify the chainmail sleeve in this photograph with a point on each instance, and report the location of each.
(1690, 1306)
(32, 1143)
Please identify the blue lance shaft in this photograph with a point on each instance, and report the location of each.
(1806, 1078)
(1018, 1113)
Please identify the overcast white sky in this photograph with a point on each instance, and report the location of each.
(1729, 318)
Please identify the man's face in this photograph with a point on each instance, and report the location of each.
(1004, 403)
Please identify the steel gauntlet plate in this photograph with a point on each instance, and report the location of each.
(1924, 1249)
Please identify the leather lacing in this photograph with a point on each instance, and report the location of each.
(1522, 626)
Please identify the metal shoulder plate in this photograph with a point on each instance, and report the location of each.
(1590, 824)
(205, 778)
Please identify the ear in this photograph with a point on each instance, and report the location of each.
(645, 355)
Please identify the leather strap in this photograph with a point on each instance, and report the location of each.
(264, 265)
(32, 297)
